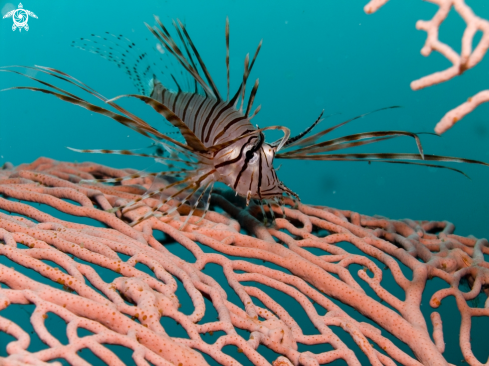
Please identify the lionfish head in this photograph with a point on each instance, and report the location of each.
(247, 167)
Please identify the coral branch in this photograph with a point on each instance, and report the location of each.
(121, 283)
(467, 59)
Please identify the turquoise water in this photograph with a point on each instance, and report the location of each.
(316, 55)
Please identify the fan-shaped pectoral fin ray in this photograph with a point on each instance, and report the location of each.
(388, 158)
(352, 144)
(264, 214)
(70, 79)
(119, 179)
(309, 140)
(324, 146)
(128, 122)
(133, 122)
(149, 194)
(192, 140)
(382, 156)
(89, 106)
(159, 159)
(272, 214)
(279, 203)
(134, 176)
(207, 199)
(38, 80)
(193, 186)
(194, 206)
(424, 164)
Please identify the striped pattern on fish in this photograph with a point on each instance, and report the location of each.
(212, 121)
(220, 143)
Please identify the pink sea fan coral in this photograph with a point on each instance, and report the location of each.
(333, 264)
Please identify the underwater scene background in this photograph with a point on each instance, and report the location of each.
(316, 55)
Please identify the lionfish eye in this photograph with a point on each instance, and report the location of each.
(249, 154)
(254, 158)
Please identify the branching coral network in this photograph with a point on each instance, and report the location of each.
(468, 57)
(308, 256)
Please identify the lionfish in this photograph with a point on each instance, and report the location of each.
(220, 143)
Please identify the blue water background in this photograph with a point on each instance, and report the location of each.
(316, 55)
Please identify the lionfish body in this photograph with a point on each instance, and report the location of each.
(247, 164)
(220, 143)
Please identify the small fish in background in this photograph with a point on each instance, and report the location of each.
(217, 142)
